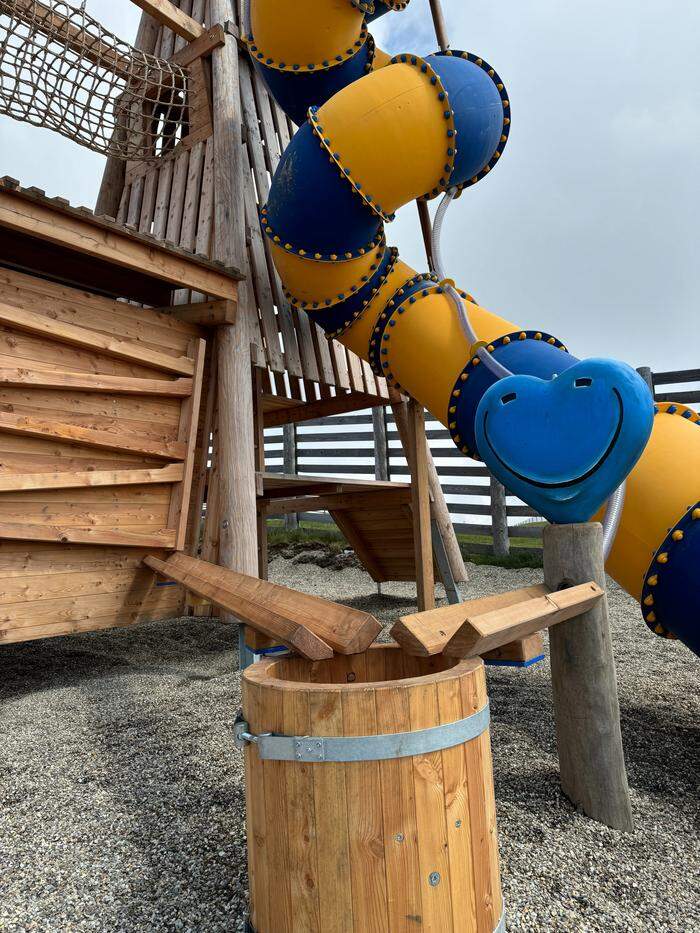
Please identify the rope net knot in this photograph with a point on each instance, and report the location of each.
(62, 70)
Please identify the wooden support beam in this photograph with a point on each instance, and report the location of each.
(21, 482)
(33, 323)
(200, 47)
(167, 14)
(337, 502)
(75, 434)
(93, 382)
(322, 408)
(488, 631)
(203, 580)
(204, 313)
(440, 511)
(69, 535)
(420, 490)
(427, 633)
(187, 435)
(584, 683)
(346, 630)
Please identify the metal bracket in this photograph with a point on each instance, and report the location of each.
(314, 749)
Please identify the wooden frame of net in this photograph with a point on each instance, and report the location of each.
(61, 69)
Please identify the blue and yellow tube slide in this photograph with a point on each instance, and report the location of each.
(562, 434)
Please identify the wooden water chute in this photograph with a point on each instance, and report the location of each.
(371, 806)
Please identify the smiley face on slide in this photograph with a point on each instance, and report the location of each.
(564, 445)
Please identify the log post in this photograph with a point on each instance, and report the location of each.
(647, 375)
(381, 446)
(584, 684)
(238, 548)
(417, 453)
(441, 513)
(499, 519)
(289, 454)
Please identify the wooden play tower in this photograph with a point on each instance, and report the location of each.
(147, 344)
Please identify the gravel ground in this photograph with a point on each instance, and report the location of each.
(121, 798)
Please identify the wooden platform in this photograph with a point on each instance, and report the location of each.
(375, 517)
(48, 237)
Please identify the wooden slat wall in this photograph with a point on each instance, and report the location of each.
(93, 472)
(173, 199)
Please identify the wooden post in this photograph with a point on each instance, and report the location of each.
(259, 427)
(381, 446)
(441, 513)
(238, 548)
(289, 453)
(584, 685)
(114, 174)
(647, 375)
(499, 519)
(420, 503)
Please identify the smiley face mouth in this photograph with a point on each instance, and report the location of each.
(568, 482)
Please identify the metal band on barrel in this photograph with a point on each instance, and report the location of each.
(363, 747)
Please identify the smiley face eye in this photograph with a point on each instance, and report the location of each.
(583, 383)
(510, 397)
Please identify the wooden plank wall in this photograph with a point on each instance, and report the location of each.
(96, 448)
(174, 199)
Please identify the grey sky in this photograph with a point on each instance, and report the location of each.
(587, 228)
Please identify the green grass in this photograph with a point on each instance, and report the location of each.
(328, 535)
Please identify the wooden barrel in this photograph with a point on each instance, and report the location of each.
(396, 833)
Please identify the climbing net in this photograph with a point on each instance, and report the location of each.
(60, 69)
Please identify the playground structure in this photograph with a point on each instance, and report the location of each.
(147, 346)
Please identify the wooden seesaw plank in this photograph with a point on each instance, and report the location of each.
(346, 630)
(487, 631)
(427, 633)
(202, 582)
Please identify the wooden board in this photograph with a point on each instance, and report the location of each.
(346, 630)
(484, 632)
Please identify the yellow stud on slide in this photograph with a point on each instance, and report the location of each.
(649, 601)
(662, 558)
(652, 580)
(677, 535)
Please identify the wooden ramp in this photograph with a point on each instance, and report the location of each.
(375, 517)
(311, 626)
